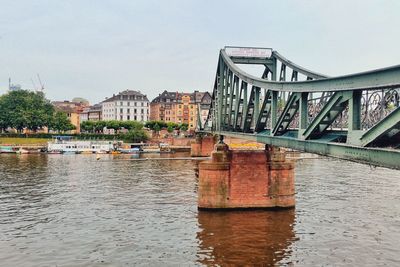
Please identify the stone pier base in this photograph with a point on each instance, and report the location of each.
(235, 179)
(203, 146)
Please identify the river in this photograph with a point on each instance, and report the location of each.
(75, 210)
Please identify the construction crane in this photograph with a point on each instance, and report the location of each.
(40, 82)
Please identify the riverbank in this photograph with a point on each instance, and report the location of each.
(19, 141)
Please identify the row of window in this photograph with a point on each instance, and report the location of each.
(135, 104)
(128, 110)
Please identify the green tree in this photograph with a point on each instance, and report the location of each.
(113, 124)
(61, 122)
(25, 109)
(170, 128)
(156, 127)
(184, 127)
(88, 126)
(135, 136)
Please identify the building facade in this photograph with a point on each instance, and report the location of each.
(73, 111)
(92, 113)
(128, 105)
(180, 107)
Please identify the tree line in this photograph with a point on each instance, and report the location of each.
(170, 126)
(98, 126)
(30, 110)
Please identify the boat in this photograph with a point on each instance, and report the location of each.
(22, 151)
(133, 150)
(65, 144)
(7, 149)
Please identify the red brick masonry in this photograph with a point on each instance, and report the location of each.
(203, 146)
(246, 179)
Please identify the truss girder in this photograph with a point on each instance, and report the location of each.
(302, 106)
(286, 117)
(264, 114)
(333, 108)
(390, 123)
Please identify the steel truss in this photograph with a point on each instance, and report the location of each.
(356, 114)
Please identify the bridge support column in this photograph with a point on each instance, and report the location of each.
(237, 179)
(203, 146)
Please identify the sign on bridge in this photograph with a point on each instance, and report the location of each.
(253, 52)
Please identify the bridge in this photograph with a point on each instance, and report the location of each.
(354, 117)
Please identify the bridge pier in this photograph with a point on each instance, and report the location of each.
(203, 146)
(236, 179)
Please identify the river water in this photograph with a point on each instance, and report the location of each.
(75, 210)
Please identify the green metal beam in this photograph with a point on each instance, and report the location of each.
(287, 114)
(303, 113)
(336, 104)
(388, 123)
(389, 158)
(377, 79)
(262, 119)
(238, 104)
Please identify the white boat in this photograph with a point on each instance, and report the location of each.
(7, 149)
(65, 144)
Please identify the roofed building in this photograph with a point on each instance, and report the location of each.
(179, 107)
(128, 105)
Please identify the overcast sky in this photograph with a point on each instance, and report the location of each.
(93, 49)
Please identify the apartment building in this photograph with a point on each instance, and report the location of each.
(128, 105)
(180, 107)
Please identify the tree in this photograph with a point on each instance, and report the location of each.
(25, 109)
(184, 127)
(156, 127)
(135, 136)
(113, 124)
(170, 128)
(61, 122)
(88, 126)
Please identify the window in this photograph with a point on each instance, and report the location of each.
(142, 111)
(142, 104)
(128, 110)
(120, 103)
(129, 103)
(135, 118)
(120, 118)
(121, 110)
(128, 118)
(134, 111)
(135, 103)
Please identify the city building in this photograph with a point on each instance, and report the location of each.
(128, 105)
(180, 107)
(73, 111)
(92, 113)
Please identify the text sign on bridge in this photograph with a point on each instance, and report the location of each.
(253, 52)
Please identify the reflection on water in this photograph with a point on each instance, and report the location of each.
(245, 237)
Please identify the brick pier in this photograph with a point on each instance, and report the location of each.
(246, 179)
(203, 146)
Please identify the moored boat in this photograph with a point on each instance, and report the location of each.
(65, 144)
(7, 149)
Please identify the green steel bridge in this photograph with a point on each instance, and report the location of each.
(354, 117)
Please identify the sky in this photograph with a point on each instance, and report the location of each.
(95, 48)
